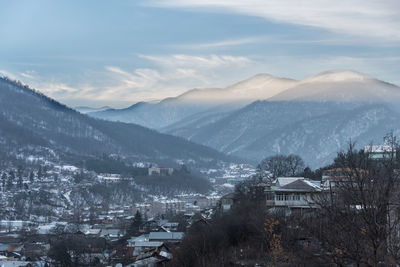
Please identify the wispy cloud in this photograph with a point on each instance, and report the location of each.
(211, 61)
(225, 43)
(169, 76)
(364, 18)
(172, 75)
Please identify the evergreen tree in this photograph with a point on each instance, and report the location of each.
(79, 177)
(39, 173)
(45, 171)
(4, 179)
(20, 182)
(19, 175)
(31, 177)
(137, 222)
(11, 178)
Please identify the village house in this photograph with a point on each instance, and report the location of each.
(154, 170)
(333, 177)
(380, 152)
(226, 202)
(153, 257)
(112, 234)
(157, 226)
(292, 194)
(166, 237)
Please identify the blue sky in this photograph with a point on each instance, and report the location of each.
(98, 52)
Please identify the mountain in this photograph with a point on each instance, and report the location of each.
(84, 110)
(315, 119)
(31, 121)
(314, 130)
(265, 115)
(258, 87)
(196, 101)
(338, 86)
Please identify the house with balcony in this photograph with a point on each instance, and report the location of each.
(380, 152)
(292, 194)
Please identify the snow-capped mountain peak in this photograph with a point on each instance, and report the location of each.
(339, 76)
(342, 86)
(259, 87)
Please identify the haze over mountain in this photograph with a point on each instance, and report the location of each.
(31, 122)
(314, 117)
(195, 101)
(84, 109)
(347, 86)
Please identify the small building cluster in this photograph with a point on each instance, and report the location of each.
(154, 170)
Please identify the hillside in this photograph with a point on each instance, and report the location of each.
(30, 120)
(341, 86)
(315, 119)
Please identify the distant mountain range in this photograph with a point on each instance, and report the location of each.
(196, 101)
(265, 115)
(31, 121)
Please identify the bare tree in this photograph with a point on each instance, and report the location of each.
(358, 216)
(281, 165)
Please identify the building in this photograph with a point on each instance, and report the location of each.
(380, 152)
(226, 202)
(160, 171)
(293, 194)
(166, 237)
(332, 177)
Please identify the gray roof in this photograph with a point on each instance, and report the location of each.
(148, 244)
(282, 181)
(299, 186)
(165, 236)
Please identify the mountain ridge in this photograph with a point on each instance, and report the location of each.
(40, 120)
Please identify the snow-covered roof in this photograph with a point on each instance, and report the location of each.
(379, 149)
(299, 185)
(155, 244)
(141, 238)
(282, 181)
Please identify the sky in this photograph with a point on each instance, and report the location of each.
(116, 53)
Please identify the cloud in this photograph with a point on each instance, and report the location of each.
(171, 75)
(363, 18)
(226, 43)
(211, 61)
(28, 74)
